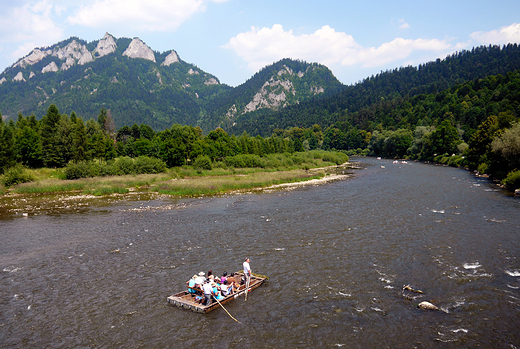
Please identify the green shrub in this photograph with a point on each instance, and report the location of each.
(245, 160)
(455, 161)
(336, 157)
(106, 169)
(482, 168)
(81, 169)
(202, 162)
(124, 166)
(220, 164)
(16, 175)
(145, 164)
(512, 181)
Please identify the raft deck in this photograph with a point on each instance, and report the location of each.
(188, 300)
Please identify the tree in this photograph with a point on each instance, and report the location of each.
(49, 137)
(506, 150)
(29, 147)
(445, 138)
(397, 143)
(480, 143)
(79, 140)
(7, 154)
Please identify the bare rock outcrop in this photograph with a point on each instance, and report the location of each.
(170, 59)
(51, 67)
(138, 49)
(271, 95)
(34, 57)
(105, 46)
(211, 81)
(19, 77)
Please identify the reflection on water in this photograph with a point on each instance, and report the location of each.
(338, 256)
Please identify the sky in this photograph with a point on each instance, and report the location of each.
(234, 39)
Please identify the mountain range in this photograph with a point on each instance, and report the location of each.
(142, 86)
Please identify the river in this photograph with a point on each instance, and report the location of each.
(337, 255)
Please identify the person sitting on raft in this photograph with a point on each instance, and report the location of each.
(226, 288)
(215, 291)
(200, 280)
(223, 278)
(192, 285)
(210, 275)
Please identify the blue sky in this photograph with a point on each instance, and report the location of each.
(233, 39)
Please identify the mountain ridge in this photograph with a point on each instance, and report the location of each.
(140, 85)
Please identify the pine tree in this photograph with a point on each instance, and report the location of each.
(7, 154)
(49, 136)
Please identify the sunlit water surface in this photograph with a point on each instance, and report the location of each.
(338, 256)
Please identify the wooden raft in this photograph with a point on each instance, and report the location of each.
(188, 301)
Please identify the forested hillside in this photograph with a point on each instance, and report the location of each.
(141, 86)
(432, 77)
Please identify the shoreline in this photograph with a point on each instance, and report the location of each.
(28, 204)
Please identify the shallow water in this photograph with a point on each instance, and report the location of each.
(337, 256)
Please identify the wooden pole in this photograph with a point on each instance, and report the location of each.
(225, 309)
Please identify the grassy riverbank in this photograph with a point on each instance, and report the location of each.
(185, 181)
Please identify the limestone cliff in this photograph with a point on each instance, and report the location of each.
(170, 59)
(138, 49)
(105, 46)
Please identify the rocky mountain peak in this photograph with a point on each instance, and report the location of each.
(138, 49)
(170, 59)
(105, 46)
(34, 57)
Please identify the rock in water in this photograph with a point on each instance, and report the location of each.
(427, 305)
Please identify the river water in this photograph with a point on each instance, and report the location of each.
(338, 256)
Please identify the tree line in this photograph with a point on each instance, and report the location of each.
(59, 139)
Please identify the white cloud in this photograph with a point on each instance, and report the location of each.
(29, 25)
(403, 24)
(31, 21)
(259, 47)
(157, 15)
(394, 50)
(504, 35)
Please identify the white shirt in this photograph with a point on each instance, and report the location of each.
(224, 289)
(207, 288)
(247, 269)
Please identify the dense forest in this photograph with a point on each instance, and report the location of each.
(429, 78)
(59, 140)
